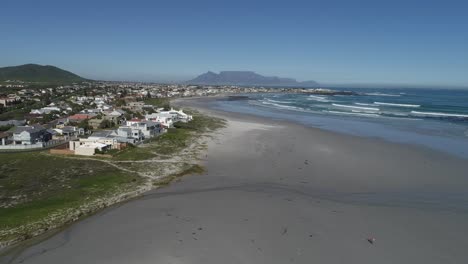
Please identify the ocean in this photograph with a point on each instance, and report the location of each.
(434, 118)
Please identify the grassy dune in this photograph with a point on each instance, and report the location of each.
(36, 185)
(39, 191)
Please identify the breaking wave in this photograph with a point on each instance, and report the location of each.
(283, 106)
(351, 113)
(279, 102)
(434, 114)
(357, 107)
(399, 105)
(317, 98)
(383, 94)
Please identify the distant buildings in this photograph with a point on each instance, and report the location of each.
(9, 101)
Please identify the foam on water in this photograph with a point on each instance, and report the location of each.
(363, 104)
(440, 122)
(383, 94)
(438, 114)
(317, 98)
(282, 106)
(279, 102)
(352, 113)
(399, 105)
(357, 107)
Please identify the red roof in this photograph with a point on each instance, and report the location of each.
(135, 120)
(80, 117)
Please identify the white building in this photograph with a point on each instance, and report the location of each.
(45, 110)
(165, 119)
(86, 148)
(148, 128)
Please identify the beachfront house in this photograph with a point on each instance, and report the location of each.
(28, 135)
(148, 128)
(129, 135)
(166, 120)
(177, 116)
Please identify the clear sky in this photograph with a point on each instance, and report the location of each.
(332, 42)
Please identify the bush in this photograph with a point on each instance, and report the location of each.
(6, 128)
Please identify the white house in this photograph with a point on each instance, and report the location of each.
(148, 128)
(177, 115)
(165, 119)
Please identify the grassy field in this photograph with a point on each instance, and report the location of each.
(34, 185)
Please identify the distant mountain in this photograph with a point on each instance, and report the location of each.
(38, 73)
(247, 78)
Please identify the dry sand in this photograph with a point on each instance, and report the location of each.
(277, 192)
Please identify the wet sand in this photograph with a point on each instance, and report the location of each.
(276, 192)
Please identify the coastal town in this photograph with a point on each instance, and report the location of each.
(97, 117)
(97, 143)
(232, 132)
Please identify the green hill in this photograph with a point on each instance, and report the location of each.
(38, 73)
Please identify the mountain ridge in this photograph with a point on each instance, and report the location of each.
(246, 78)
(38, 73)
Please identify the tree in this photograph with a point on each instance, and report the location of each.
(105, 124)
(149, 110)
(6, 128)
(85, 125)
(120, 102)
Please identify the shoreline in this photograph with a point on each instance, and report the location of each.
(198, 103)
(278, 192)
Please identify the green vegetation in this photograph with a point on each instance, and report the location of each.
(38, 73)
(6, 128)
(172, 141)
(201, 123)
(134, 153)
(18, 111)
(35, 185)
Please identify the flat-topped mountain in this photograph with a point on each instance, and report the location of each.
(247, 78)
(38, 73)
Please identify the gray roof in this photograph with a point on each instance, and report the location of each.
(102, 133)
(13, 122)
(30, 129)
(69, 129)
(127, 129)
(51, 131)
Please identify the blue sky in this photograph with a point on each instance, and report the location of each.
(332, 42)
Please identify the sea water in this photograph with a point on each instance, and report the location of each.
(435, 118)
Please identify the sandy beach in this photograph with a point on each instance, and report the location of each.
(277, 192)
